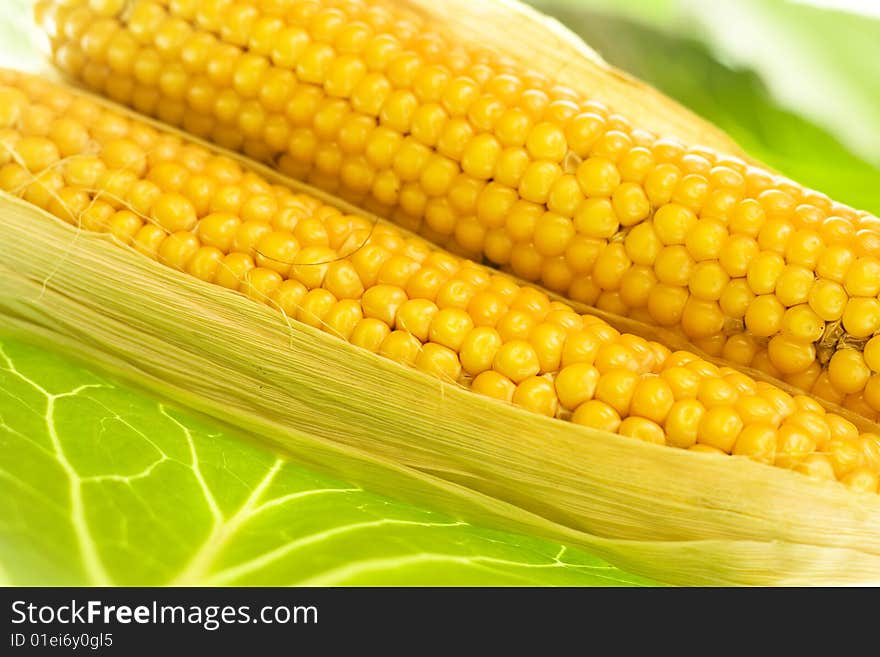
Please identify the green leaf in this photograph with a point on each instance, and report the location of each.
(805, 106)
(103, 485)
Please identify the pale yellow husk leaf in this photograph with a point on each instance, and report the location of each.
(677, 516)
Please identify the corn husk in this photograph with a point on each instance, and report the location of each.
(676, 516)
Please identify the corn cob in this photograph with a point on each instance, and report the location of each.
(395, 294)
(473, 151)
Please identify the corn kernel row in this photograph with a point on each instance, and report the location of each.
(477, 153)
(397, 295)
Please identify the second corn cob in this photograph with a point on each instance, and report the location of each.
(396, 295)
(476, 152)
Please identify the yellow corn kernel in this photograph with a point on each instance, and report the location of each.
(598, 415)
(439, 361)
(863, 480)
(719, 428)
(758, 442)
(492, 384)
(683, 422)
(400, 346)
(536, 394)
(478, 349)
